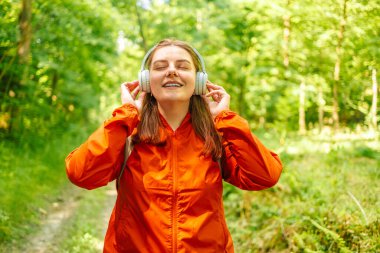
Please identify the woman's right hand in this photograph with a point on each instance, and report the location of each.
(129, 92)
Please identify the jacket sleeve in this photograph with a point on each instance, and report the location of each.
(98, 160)
(246, 162)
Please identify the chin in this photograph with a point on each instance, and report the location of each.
(173, 98)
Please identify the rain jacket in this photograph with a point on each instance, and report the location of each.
(170, 196)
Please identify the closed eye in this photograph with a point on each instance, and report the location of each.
(159, 67)
(184, 66)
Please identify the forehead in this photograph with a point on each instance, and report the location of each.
(171, 53)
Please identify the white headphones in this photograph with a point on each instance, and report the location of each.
(200, 81)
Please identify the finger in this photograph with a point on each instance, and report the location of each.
(123, 87)
(213, 86)
(218, 93)
(217, 89)
(132, 85)
(135, 91)
(217, 97)
(209, 85)
(125, 94)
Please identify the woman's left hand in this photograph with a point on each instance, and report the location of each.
(220, 98)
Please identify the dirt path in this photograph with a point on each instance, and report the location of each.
(60, 213)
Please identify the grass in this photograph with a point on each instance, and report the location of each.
(85, 231)
(326, 200)
(27, 185)
(32, 176)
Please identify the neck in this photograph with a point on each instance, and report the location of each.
(174, 113)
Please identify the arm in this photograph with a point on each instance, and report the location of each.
(97, 161)
(247, 163)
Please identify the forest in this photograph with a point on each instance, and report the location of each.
(303, 73)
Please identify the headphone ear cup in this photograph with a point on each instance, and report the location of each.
(144, 80)
(200, 83)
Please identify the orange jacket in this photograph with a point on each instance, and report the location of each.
(170, 197)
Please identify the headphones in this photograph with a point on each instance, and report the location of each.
(200, 80)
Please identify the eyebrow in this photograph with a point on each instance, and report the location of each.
(164, 61)
(184, 60)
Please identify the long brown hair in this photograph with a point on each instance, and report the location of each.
(149, 130)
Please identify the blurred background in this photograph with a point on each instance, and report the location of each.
(303, 73)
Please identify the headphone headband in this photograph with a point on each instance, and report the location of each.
(153, 48)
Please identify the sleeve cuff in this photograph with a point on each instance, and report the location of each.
(223, 114)
(126, 109)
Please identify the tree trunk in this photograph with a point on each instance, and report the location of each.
(301, 110)
(321, 104)
(23, 53)
(23, 49)
(335, 112)
(141, 29)
(54, 83)
(241, 103)
(25, 27)
(242, 85)
(286, 19)
(373, 111)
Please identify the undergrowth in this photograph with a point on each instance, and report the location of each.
(32, 176)
(85, 231)
(326, 201)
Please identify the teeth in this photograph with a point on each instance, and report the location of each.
(172, 85)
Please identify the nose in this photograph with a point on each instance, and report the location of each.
(172, 71)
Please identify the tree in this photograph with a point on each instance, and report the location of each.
(339, 49)
(373, 110)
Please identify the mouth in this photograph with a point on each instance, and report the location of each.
(172, 84)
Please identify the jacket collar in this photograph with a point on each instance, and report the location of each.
(185, 122)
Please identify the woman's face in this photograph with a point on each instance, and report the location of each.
(172, 75)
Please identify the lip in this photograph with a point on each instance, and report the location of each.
(169, 82)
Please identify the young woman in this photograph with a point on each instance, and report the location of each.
(184, 145)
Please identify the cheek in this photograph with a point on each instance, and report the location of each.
(154, 89)
(190, 78)
(154, 80)
(154, 76)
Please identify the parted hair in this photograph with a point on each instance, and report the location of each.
(149, 129)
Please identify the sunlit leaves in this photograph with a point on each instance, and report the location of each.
(75, 54)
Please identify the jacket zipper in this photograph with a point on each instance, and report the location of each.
(174, 213)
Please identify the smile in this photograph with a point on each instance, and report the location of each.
(167, 85)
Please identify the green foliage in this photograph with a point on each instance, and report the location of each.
(75, 66)
(70, 83)
(32, 175)
(73, 59)
(312, 208)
